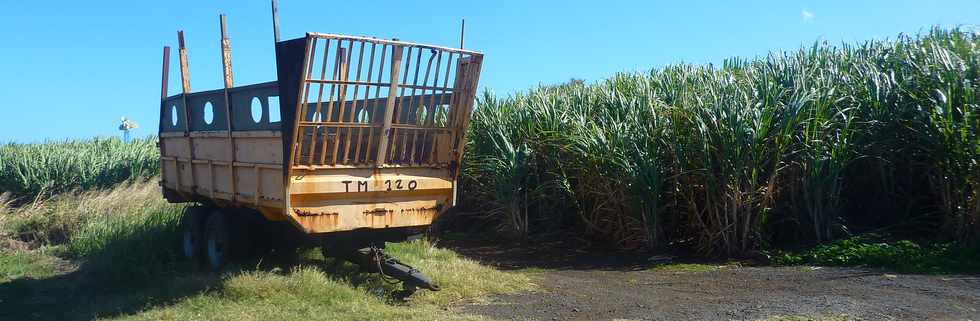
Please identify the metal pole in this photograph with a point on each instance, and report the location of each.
(462, 32)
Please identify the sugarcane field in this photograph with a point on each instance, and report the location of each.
(436, 160)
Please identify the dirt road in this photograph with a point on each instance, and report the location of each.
(591, 286)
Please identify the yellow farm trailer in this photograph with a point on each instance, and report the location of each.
(357, 142)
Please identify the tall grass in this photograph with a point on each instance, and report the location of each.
(29, 170)
(127, 230)
(794, 147)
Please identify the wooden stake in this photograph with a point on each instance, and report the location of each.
(229, 83)
(163, 109)
(185, 79)
(166, 72)
(275, 19)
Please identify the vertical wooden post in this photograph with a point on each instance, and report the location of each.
(166, 73)
(275, 19)
(396, 61)
(229, 83)
(164, 81)
(185, 79)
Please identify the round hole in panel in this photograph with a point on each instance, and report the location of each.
(208, 113)
(256, 109)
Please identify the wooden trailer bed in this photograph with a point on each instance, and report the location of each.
(356, 133)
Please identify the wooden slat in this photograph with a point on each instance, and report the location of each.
(431, 114)
(375, 84)
(435, 140)
(406, 110)
(367, 93)
(341, 98)
(334, 124)
(425, 80)
(396, 59)
(374, 108)
(353, 112)
(317, 113)
(394, 42)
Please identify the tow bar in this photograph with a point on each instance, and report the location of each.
(376, 260)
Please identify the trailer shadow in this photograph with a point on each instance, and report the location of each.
(555, 252)
(88, 291)
(84, 294)
(92, 291)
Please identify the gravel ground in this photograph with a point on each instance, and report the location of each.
(590, 285)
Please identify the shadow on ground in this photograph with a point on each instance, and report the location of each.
(91, 291)
(554, 252)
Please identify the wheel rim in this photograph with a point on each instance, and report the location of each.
(189, 243)
(216, 251)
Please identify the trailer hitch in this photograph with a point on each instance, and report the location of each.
(376, 260)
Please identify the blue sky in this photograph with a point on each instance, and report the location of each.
(72, 69)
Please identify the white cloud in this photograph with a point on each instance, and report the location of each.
(807, 15)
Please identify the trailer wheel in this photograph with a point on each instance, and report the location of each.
(192, 232)
(219, 242)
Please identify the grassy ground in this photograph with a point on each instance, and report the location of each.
(111, 255)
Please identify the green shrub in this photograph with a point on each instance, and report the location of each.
(903, 256)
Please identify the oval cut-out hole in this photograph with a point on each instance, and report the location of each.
(208, 113)
(273, 109)
(256, 109)
(173, 115)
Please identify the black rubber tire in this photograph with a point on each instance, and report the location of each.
(219, 241)
(192, 232)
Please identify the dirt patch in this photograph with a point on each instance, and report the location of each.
(592, 288)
